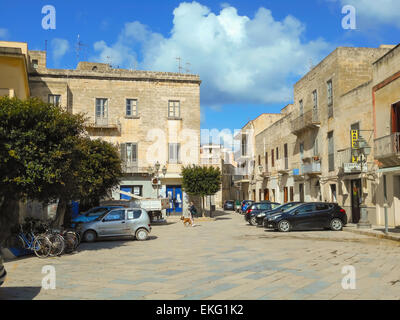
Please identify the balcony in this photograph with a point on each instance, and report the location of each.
(387, 150)
(313, 168)
(282, 166)
(131, 167)
(346, 165)
(103, 123)
(308, 120)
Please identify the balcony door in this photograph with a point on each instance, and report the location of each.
(101, 111)
(396, 117)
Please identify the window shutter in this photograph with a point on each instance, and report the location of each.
(123, 152)
(134, 152)
(178, 152)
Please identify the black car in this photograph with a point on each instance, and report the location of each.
(256, 208)
(286, 206)
(308, 216)
(229, 205)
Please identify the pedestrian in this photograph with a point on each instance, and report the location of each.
(193, 212)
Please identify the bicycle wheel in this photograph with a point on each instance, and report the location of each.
(42, 246)
(57, 244)
(71, 241)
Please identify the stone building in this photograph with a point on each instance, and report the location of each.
(151, 116)
(386, 124)
(274, 178)
(244, 155)
(330, 101)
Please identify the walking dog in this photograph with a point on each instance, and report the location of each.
(186, 221)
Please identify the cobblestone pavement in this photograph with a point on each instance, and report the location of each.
(222, 259)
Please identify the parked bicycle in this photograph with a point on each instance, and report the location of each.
(39, 244)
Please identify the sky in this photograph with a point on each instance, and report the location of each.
(248, 53)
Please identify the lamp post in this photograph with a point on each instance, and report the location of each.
(155, 172)
(362, 152)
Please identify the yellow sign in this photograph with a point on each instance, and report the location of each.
(354, 138)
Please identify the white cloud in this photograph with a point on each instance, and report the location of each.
(239, 59)
(3, 34)
(59, 48)
(373, 12)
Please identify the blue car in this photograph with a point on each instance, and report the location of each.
(92, 214)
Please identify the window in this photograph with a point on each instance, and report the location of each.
(244, 145)
(285, 154)
(315, 148)
(322, 207)
(264, 206)
(101, 110)
(131, 108)
(35, 63)
(266, 162)
(330, 98)
(301, 151)
(307, 209)
(54, 99)
(174, 153)
(259, 160)
(301, 107)
(333, 192)
(291, 194)
(277, 153)
(272, 158)
(331, 150)
(134, 214)
(174, 109)
(115, 215)
(129, 152)
(315, 106)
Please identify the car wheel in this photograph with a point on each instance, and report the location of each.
(253, 221)
(90, 236)
(284, 226)
(141, 234)
(336, 225)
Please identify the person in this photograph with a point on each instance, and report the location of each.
(193, 212)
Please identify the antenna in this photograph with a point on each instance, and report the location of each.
(179, 59)
(45, 45)
(79, 47)
(187, 69)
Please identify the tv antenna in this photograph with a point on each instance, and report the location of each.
(179, 59)
(79, 47)
(187, 69)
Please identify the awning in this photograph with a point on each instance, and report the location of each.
(388, 170)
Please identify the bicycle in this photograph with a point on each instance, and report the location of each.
(39, 244)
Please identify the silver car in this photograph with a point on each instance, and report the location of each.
(131, 222)
(3, 272)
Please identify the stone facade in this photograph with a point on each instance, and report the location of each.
(386, 119)
(150, 116)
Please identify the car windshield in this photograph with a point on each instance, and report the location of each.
(294, 207)
(289, 206)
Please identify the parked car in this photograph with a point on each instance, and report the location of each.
(92, 214)
(3, 272)
(251, 213)
(245, 205)
(229, 205)
(286, 206)
(125, 222)
(308, 216)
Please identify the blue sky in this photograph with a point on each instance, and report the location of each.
(248, 53)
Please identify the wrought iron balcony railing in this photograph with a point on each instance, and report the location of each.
(307, 120)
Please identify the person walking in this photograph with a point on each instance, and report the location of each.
(193, 212)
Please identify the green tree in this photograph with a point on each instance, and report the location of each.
(201, 181)
(96, 169)
(36, 146)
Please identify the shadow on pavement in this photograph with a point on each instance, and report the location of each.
(223, 218)
(18, 293)
(108, 243)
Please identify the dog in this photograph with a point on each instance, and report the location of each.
(186, 221)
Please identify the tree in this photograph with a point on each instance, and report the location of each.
(94, 172)
(37, 140)
(201, 181)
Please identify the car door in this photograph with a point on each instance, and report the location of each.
(133, 220)
(322, 216)
(303, 217)
(113, 224)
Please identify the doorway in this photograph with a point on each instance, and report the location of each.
(301, 192)
(355, 200)
(174, 194)
(266, 194)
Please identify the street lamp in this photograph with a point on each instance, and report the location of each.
(362, 152)
(155, 172)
